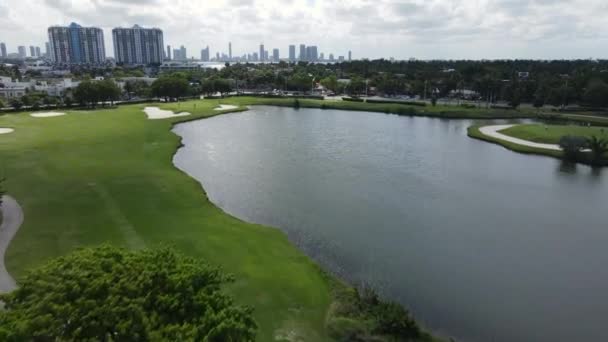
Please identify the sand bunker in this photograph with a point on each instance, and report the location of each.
(225, 107)
(46, 114)
(155, 113)
(6, 130)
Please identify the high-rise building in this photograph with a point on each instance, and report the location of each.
(230, 51)
(254, 57)
(47, 50)
(311, 54)
(292, 52)
(275, 55)
(350, 55)
(322, 56)
(180, 54)
(205, 54)
(138, 45)
(32, 51)
(262, 52)
(75, 44)
(331, 56)
(2, 50)
(38, 51)
(22, 53)
(168, 56)
(302, 52)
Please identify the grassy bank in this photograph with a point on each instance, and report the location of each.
(550, 134)
(475, 133)
(106, 175)
(451, 112)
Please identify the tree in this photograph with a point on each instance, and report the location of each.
(596, 94)
(598, 146)
(2, 105)
(87, 93)
(173, 86)
(107, 91)
(16, 103)
(572, 146)
(330, 83)
(111, 294)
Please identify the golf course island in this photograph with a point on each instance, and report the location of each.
(106, 177)
(581, 143)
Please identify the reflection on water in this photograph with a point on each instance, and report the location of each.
(481, 243)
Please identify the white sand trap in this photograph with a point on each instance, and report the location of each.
(46, 114)
(6, 130)
(225, 107)
(155, 113)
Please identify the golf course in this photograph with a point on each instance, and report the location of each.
(90, 177)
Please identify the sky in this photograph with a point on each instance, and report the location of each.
(403, 29)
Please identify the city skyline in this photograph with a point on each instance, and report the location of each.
(441, 29)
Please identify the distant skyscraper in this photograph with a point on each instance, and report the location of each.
(341, 58)
(32, 51)
(205, 54)
(302, 52)
(180, 54)
(230, 50)
(47, 49)
(168, 52)
(2, 50)
(275, 55)
(322, 56)
(314, 54)
(254, 56)
(262, 52)
(217, 56)
(75, 44)
(331, 56)
(138, 45)
(22, 52)
(350, 55)
(292, 52)
(38, 51)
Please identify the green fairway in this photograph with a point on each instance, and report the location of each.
(550, 134)
(106, 176)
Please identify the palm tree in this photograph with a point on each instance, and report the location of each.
(598, 146)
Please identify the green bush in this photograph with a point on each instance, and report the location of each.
(408, 103)
(352, 99)
(346, 329)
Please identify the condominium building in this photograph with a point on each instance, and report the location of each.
(205, 54)
(75, 44)
(3, 50)
(22, 53)
(138, 45)
(292, 52)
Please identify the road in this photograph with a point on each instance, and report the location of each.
(12, 218)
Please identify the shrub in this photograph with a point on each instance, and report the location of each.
(296, 103)
(352, 99)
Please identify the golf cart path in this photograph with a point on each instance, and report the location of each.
(492, 131)
(12, 218)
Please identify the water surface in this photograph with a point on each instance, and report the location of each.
(481, 243)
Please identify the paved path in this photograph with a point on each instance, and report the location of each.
(492, 131)
(12, 218)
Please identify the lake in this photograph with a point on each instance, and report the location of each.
(479, 242)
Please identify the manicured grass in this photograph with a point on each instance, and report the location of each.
(550, 134)
(474, 132)
(106, 176)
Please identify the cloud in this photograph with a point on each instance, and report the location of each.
(375, 28)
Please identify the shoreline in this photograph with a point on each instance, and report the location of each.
(339, 288)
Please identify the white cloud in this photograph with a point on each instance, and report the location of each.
(380, 28)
